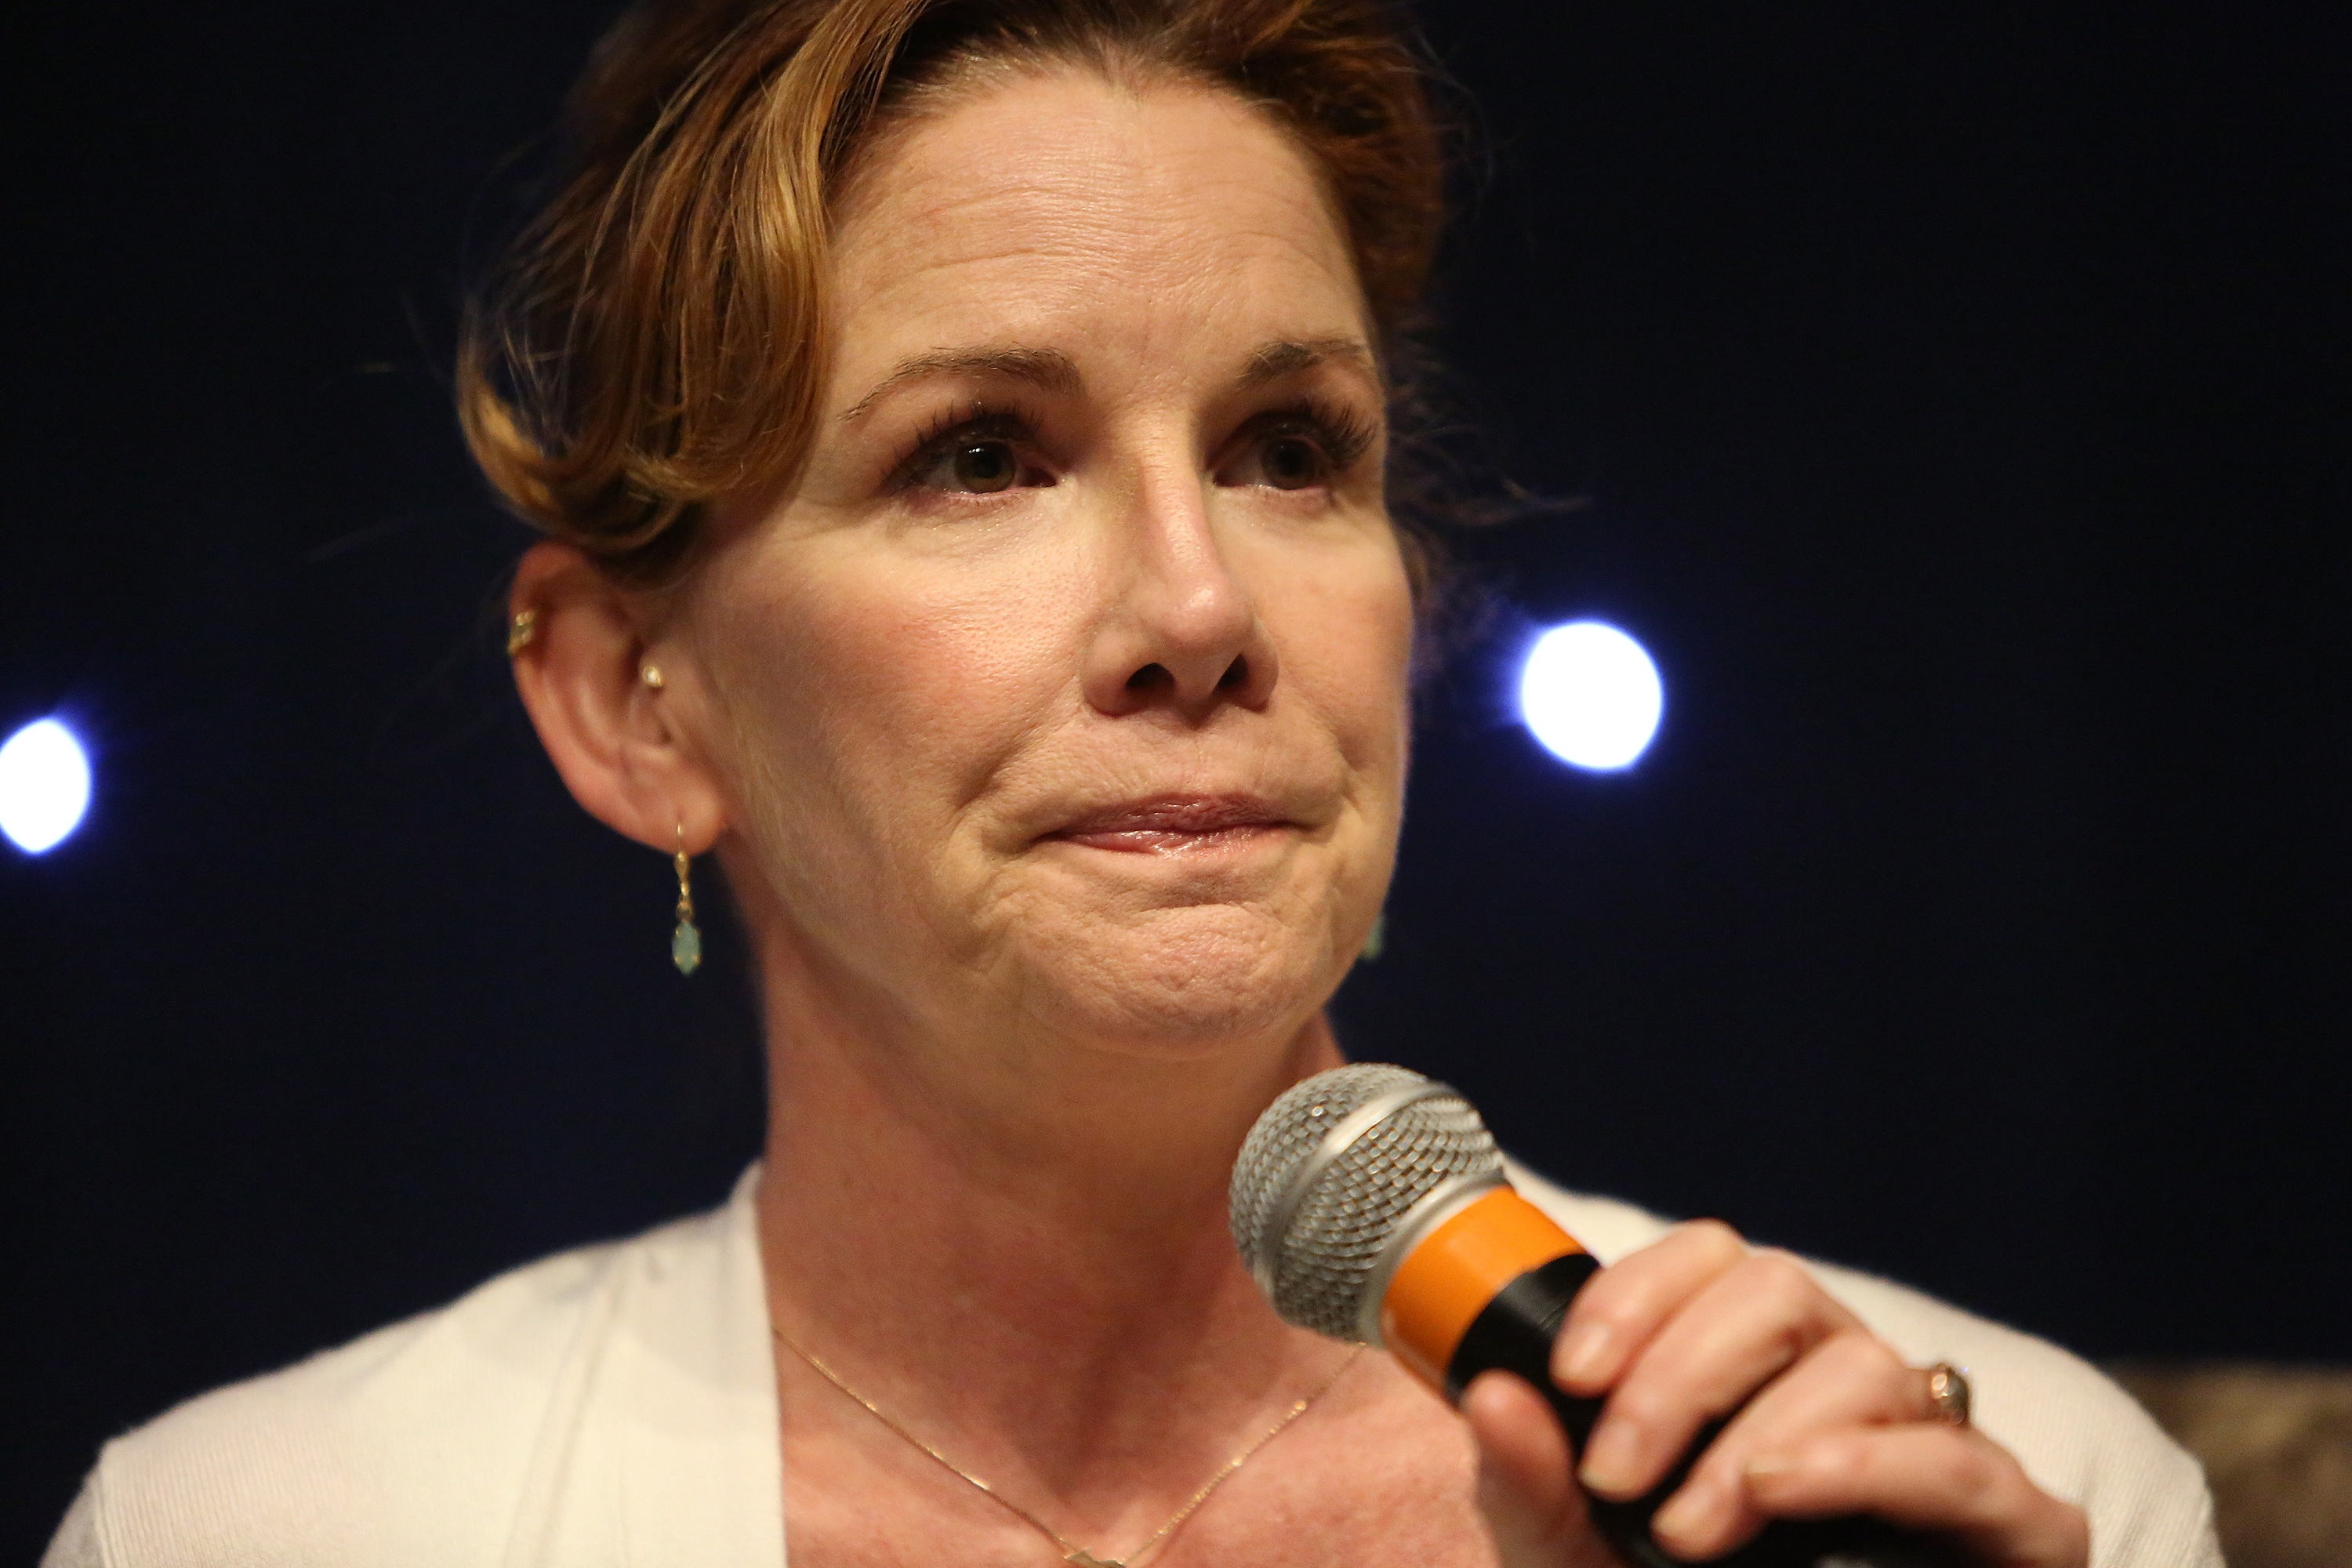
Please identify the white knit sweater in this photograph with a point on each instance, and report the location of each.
(618, 1406)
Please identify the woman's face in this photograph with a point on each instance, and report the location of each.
(1069, 690)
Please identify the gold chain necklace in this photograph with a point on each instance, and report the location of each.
(1071, 1552)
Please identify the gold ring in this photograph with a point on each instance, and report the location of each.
(1947, 1390)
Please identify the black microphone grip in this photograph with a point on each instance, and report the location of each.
(1514, 1334)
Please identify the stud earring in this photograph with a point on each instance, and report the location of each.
(520, 630)
(686, 941)
(651, 676)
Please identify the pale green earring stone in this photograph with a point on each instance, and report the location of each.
(686, 948)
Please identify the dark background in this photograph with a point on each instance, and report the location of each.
(1959, 394)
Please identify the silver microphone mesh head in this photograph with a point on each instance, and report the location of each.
(1313, 1212)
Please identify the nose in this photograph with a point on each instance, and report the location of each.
(1180, 629)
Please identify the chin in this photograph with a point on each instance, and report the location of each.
(1184, 985)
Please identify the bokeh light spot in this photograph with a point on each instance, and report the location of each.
(1591, 694)
(44, 785)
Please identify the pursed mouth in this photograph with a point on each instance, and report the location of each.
(1174, 823)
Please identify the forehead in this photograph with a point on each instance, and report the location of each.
(1152, 219)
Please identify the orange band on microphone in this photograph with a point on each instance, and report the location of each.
(1446, 1282)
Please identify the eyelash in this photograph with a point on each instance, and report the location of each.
(952, 429)
(1343, 433)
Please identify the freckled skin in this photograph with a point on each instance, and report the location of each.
(906, 677)
(1052, 732)
(902, 692)
(1011, 1053)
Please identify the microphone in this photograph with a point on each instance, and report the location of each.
(1370, 1205)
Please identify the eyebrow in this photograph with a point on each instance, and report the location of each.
(1049, 370)
(1284, 356)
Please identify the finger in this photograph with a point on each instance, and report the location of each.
(1951, 1480)
(1745, 1327)
(1849, 1380)
(1534, 1510)
(1620, 1307)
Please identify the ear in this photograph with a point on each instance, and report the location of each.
(616, 740)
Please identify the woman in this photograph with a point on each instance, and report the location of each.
(960, 430)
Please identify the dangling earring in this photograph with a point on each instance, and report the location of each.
(685, 942)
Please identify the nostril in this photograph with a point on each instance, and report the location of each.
(1237, 673)
(1150, 677)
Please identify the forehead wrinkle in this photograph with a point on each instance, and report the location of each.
(1103, 228)
(1083, 258)
(1048, 369)
(1081, 200)
(1075, 218)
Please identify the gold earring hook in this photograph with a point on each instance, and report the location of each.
(686, 941)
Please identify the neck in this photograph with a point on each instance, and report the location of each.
(1022, 1246)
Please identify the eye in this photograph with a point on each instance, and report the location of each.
(1300, 448)
(1291, 462)
(980, 468)
(981, 454)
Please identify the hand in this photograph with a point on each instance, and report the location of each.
(1686, 1332)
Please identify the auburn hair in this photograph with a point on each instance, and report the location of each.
(652, 340)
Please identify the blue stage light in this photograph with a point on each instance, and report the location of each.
(1591, 694)
(44, 785)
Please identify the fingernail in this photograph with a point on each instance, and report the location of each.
(1610, 1460)
(1691, 1517)
(1583, 1352)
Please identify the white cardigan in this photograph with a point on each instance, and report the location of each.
(618, 1406)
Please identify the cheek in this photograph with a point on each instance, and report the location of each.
(1345, 635)
(879, 688)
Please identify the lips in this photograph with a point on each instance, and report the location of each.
(1172, 824)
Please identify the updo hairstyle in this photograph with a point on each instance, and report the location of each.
(653, 339)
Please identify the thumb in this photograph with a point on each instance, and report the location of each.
(1526, 1488)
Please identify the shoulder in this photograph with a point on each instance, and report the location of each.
(2078, 1435)
(332, 1459)
(427, 1441)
